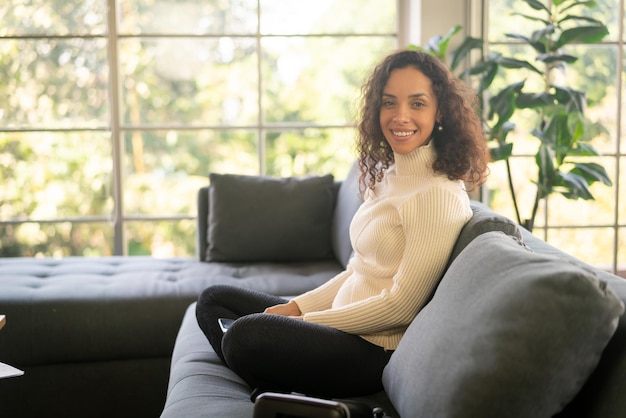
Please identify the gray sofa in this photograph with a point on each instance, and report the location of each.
(116, 337)
(516, 328)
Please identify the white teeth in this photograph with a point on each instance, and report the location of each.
(403, 133)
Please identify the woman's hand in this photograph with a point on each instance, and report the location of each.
(286, 309)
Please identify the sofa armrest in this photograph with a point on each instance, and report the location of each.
(202, 223)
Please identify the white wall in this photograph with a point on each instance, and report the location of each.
(420, 20)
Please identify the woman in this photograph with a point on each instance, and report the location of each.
(419, 143)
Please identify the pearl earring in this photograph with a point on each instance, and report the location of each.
(440, 128)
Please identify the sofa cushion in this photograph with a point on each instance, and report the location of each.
(200, 385)
(484, 219)
(80, 309)
(256, 218)
(508, 333)
(348, 202)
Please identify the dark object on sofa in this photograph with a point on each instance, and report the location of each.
(276, 405)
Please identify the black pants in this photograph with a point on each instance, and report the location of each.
(278, 353)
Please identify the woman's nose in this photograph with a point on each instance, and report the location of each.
(402, 114)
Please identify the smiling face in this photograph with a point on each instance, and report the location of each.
(408, 110)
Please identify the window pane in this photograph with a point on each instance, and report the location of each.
(595, 73)
(188, 17)
(310, 151)
(50, 175)
(301, 86)
(54, 83)
(162, 239)
(591, 245)
(165, 169)
(600, 211)
(605, 12)
(45, 17)
(189, 81)
(503, 21)
(280, 17)
(523, 169)
(60, 239)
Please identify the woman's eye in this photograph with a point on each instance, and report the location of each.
(418, 104)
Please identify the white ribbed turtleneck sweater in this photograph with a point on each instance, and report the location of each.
(402, 237)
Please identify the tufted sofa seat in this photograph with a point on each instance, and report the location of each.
(101, 331)
(71, 300)
(95, 335)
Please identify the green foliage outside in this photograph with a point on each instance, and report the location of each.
(191, 103)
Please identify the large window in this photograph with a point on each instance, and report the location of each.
(115, 111)
(592, 230)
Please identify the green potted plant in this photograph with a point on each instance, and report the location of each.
(562, 129)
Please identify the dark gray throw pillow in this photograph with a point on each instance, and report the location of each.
(257, 218)
(508, 333)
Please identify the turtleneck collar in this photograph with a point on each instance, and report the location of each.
(417, 161)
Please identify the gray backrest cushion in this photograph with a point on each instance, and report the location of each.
(348, 202)
(603, 394)
(256, 218)
(508, 332)
(484, 219)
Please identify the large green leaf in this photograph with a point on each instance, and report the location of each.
(582, 34)
(501, 152)
(565, 137)
(583, 149)
(503, 105)
(543, 35)
(590, 4)
(592, 172)
(552, 58)
(516, 64)
(555, 132)
(573, 100)
(534, 100)
(438, 45)
(500, 133)
(546, 171)
(586, 19)
(537, 5)
(486, 72)
(459, 54)
(540, 47)
(573, 186)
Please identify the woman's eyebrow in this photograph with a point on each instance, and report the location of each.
(411, 96)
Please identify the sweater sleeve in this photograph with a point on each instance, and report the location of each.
(322, 297)
(431, 223)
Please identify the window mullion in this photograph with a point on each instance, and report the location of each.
(119, 244)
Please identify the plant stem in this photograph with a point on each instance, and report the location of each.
(530, 223)
(512, 189)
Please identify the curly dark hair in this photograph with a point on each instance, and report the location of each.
(461, 148)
